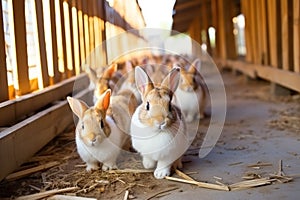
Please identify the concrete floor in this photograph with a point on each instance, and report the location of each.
(248, 138)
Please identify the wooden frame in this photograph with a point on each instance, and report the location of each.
(19, 108)
(20, 141)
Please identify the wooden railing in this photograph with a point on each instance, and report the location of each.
(33, 107)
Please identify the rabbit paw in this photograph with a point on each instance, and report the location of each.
(189, 118)
(161, 173)
(148, 163)
(106, 167)
(91, 166)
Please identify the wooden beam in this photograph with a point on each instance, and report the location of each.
(19, 142)
(287, 33)
(19, 108)
(284, 78)
(3, 72)
(22, 74)
(274, 23)
(296, 30)
(41, 42)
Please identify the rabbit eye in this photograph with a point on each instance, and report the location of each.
(147, 106)
(82, 126)
(101, 123)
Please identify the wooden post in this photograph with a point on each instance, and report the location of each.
(22, 74)
(81, 32)
(214, 19)
(287, 33)
(41, 42)
(254, 31)
(91, 25)
(274, 23)
(57, 75)
(63, 36)
(296, 30)
(205, 21)
(71, 37)
(225, 37)
(246, 12)
(3, 72)
(264, 32)
(76, 42)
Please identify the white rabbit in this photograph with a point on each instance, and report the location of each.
(98, 139)
(191, 92)
(158, 129)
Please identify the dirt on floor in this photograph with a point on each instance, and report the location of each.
(260, 139)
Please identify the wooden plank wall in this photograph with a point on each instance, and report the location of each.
(271, 36)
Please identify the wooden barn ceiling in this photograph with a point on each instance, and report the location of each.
(185, 11)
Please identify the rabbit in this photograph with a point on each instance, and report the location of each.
(158, 129)
(107, 80)
(98, 139)
(191, 93)
(129, 82)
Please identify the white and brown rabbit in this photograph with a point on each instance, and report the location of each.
(191, 92)
(108, 79)
(158, 129)
(98, 139)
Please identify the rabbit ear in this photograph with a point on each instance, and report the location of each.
(103, 101)
(109, 72)
(92, 74)
(128, 66)
(143, 81)
(78, 107)
(172, 80)
(195, 66)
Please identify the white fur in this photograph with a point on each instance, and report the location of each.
(105, 152)
(158, 146)
(189, 103)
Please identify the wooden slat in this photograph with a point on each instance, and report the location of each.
(22, 75)
(3, 72)
(63, 36)
(287, 33)
(76, 41)
(81, 31)
(19, 142)
(71, 36)
(296, 30)
(91, 25)
(57, 76)
(41, 42)
(86, 28)
(17, 109)
(274, 23)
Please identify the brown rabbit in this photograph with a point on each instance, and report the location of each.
(191, 92)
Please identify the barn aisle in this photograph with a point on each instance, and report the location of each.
(260, 130)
